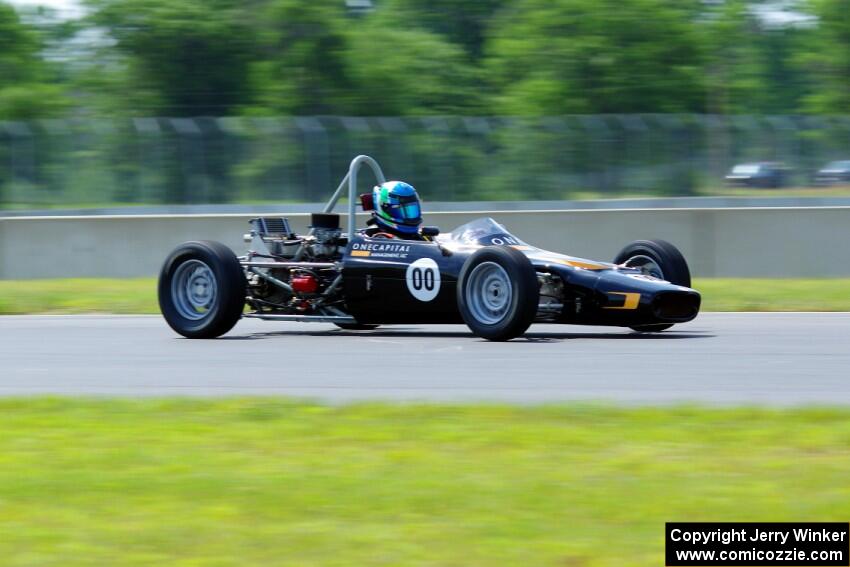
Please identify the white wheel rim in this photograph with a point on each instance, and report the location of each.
(194, 290)
(489, 293)
(646, 265)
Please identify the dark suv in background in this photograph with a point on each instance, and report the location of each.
(833, 173)
(765, 174)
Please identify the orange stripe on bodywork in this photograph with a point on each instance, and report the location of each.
(361, 253)
(630, 301)
(582, 265)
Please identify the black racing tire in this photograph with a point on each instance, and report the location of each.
(202, 289)
(356, 326)
(498, 293)
(673, 268)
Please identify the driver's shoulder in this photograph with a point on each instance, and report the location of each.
(378, 233)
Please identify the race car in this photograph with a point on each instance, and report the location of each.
(478, 274)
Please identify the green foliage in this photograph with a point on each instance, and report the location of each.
(191, 57)
(29, 101)
(318, 60)
(24, 92)
(413, 57)
(827, 57)
(400, 72)
(595, 56)
(302, 67)
(18, 47)
(749, 66)
(462, 22)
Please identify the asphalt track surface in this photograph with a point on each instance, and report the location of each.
(720, 358)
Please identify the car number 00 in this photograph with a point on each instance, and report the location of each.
(423, 279)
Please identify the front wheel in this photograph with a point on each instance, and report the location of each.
(497, 293)
(659, 259)
(202, 289)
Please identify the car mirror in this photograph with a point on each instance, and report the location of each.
(367, 202)
(430, 231)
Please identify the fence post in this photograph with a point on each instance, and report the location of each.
(394, 144)
(718, 146)
(195, 179)
(782, 126)
(58, 141)
(148, 161)
(596, 129)
(438, 174)
(5, 161)
(23, 159)
(315, 156)
(3, 239)
(633, 128)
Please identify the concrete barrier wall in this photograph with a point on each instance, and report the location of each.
(733, 242)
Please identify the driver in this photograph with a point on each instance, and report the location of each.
(397, 212)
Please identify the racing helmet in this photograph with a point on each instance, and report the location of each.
(397, 207)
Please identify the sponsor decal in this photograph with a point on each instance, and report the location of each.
(423, 279)
(630, 300)
(504, 239)
(380, 249)
(646, 277)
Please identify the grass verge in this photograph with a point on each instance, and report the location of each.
(78, 296)
(276, 482)
(730, 294)
(139, 295)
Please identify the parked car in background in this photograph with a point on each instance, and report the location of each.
(768, 175)
(833, 173)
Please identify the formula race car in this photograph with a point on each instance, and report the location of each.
(479, 274)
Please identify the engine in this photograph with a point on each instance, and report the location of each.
(304, 277)
(551, 302)
(274, 238)
(327, 235)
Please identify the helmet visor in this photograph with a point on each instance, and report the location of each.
(406, 208)
(410, 211)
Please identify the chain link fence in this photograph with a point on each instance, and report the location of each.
(104, 162)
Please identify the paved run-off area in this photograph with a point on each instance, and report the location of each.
(725, 358)
(265, 481)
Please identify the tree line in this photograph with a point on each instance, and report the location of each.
(426, 57)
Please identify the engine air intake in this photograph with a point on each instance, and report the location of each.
(676, 306)
(324, 221)
(268, 226)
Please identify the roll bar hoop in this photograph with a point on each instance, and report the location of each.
(351, 179)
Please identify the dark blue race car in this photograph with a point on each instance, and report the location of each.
(479, 274)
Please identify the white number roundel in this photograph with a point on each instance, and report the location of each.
(423, 279)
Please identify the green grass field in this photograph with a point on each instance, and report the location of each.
(275, 482)
(139, 295)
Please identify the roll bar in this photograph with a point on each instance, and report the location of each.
(351, 179)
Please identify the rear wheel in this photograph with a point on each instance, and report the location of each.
(659, 259)
(497, 293)
(202, 289)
